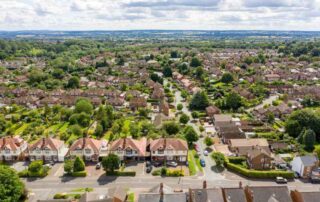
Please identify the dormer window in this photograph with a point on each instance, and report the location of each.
(160, 151)
(129, 151)
(87, 151)
(7, 150)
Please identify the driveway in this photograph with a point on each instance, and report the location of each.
(19, 166)
(93, 172)
(56, 170)
(138, 167)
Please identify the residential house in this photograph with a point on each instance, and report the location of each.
(169, 149)
(129, 149)
(259, 159)
(305, 196)
(164, 108)
(228, 131)
(268, 194)
(236, 194)
(162, 193)
(212, 110)
(221, 119)
(116, 194)
(12, 148)
(206, 194)
(304, 165)
(48, 149)
(158, 93)
(138, 102)
(272, 77)
(88, 148)
(242, 146)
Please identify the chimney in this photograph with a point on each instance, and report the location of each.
(240, 184)
(204, 184)
(43, 141)
(83, 142)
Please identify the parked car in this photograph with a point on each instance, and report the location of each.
(51, 163)
(281, 180)
(205, 152)
(202, 163)
(315, 180)
(296, 175)
(98, 166)
(172, 163)
(157, 164)
(48, 165)
(148, 163)
(149, 169)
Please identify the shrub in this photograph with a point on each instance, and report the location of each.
(175, 173)
(156, 172)
(236, 160)
(121, 173)
(79, 174)
(23, 173)
(163, 171)
(259, 174)
(60, 196)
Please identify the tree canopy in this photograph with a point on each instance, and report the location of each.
(11, 187)
(199, 101)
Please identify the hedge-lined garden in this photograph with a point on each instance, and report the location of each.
(234, 164)
(35, 169)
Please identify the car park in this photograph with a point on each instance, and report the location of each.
(281, 180)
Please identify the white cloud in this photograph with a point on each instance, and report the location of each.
(159, 14)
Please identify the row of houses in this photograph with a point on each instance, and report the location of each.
(50, 149)
(186, 83)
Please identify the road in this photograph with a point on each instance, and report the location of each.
(267, 101)
(209, 169)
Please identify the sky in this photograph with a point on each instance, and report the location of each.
(160, 14)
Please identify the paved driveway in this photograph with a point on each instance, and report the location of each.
(19, 166)
(138, 167)
(56, 170)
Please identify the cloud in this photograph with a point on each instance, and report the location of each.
(159, 14)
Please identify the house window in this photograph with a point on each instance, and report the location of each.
(87, 151)
(160, 151)
(129, 151)
(47, 151)
(7, 151)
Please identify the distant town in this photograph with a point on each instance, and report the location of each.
(144, 116)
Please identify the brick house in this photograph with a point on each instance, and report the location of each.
(12, 148)
(259, 159)
(129, 149)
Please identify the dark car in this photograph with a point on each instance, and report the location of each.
(157, 164)
(149, 169)
(202, 163)
(148, 163)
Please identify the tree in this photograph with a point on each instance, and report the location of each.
(174, 54)
(167, 71)
(227, 78)
(270, 117)
(35, 166)
(195, 114)
(179, 107)
(303, 119)
(317, 151)
(156, 78)
(199, 101)
(78, 165)
(199, 72)
(68, 166)
(208, 141)
(111, 163)
(171, 128)
(190, 134)
(11, 187)
(233, 101)
(184, 119)
(195, 62)
(73, 82)
(99, 130)
(309, 139)
(218, 158)
(83, 105)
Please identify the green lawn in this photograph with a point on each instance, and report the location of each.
(131, 197)
(192, 166)
(21, 129)
(197, 160)
(64, 127)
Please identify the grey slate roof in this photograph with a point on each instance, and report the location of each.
(270, 194)
(235, 195)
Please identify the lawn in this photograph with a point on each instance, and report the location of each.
(64, 127)
(21, 129)
(197, 160)
(192, 166)
(131, 197)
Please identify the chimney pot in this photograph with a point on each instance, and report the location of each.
(204, 184)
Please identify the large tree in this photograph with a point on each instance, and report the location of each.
(199, 101)
(233, 101)
(73, 82)
(309, 139)
(227, 78)
(11, 187)
(184, 119)
(78, 165)
(171, 128)
(83, 105)
(195, 62)
(111, 163)
(218, 158)
(167, 72)
(303, 119)
(190, 135)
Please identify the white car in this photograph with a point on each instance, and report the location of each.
(205, 152)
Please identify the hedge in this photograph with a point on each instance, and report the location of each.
(79, 174)
(259, 174)
(60, 196)
(236, 159)
(26, 173)
(121, 173)
(174, 173)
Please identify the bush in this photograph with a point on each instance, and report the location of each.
(23, 173)
(79, 174)
(175, 173)
(236, 160)
(259, 174)
(156, 172)
(121, 173)
(60, 196)
(163, 171)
